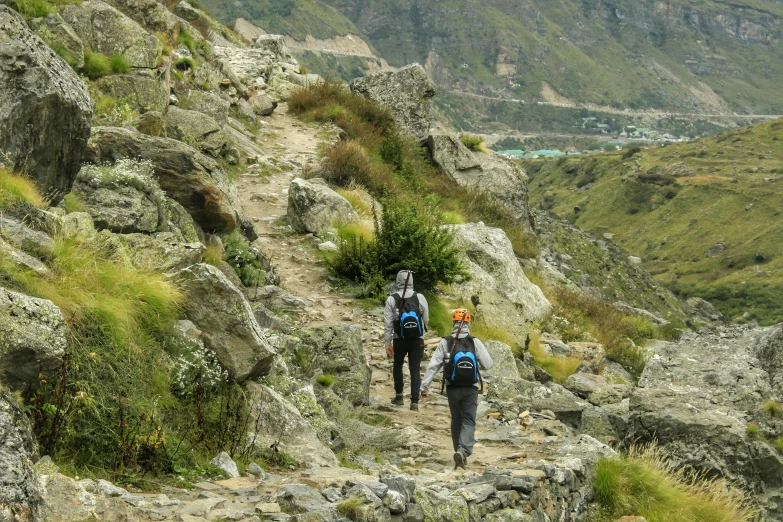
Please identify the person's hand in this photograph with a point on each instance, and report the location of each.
(389, 351)
(424, 392)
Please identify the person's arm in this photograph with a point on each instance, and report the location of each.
(425, 311)
(436, 363)
(388, 322)
(482, 355)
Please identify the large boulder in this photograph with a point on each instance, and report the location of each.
(314, 207)
(219, 309)
(196, 129)
(103, 29)
(407, 93)
(188, 177)
(45, 109)
(276, 420)
(155, 18)
(143, 92)
(246, 68)
(442, 505)
(57, 34)
(696, 398)
(32, 339)
(205, 102)
(337, 350)
(504, 297)
(20, 489)
(486, 172)
(163, 251)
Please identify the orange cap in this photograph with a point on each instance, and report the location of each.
(461, 314)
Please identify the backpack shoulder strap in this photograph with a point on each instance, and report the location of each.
(397, 299)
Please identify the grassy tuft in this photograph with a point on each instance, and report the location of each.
(779, 444)
(119, 64)
(96, 65)
(185, 64)
(15, 188)
(752, 430)
(326, 380)
(645, 483)
(350, 508)
(560, 368)
(213, 255)
(772, 408)
(473, 142)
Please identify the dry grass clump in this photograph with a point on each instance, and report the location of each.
(645, 482)
(18, 189)
(474, 143)
(560, 368)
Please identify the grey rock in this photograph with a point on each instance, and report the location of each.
(45, 109)
(20, 489)
(21, 259)
(151, 123)
(256, 470)
(197, 130)
(276, 299)
(143, 92)
(57, 34)
(337, 350)
(327, 246)
(295, 499)
(156, 18)
(442, 506)
(206, 102)
(25, 238)
(104, 29)
(279, 421)
(224, 462)
(163, 251)
(698, 308)
(32, 339)
(407, 93)
(221, 312)
(275, 45)
(78, 224)
(314, 207)
(584, 384)
(508, 515)
(188, 177)
(394, 501)
(186, 11)
(268, 319)
(262, 104)
(413, 513)
(102, 487)
(405, 485)
(655, 319)
(332, 494)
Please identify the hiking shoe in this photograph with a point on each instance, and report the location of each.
(414, 406)
(398, 400)
(459, 460)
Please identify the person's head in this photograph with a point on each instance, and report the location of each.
(402, 276)
(460, 314)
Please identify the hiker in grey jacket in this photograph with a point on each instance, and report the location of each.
(397, 347)
(463, 400)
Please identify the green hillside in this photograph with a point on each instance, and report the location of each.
(705, 216)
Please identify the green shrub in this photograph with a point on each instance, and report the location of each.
(184, 64)
(96, 65)
(186, 39)
(473, 142)
(119, 64)
(326, 380)
(631, 152)
(645, 483)
(772, 408)
(752, 430)
(238, 254)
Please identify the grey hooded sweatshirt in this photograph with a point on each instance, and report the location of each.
(390, 313)
(442, 353)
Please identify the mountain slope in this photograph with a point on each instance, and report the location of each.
(704, 216)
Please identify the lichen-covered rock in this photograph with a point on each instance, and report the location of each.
(407, 93)
(442, 506)
(337, 350)
(262, 104)
(314, 207)
(57, 34)
(66, 500)
(143, 92)
(25, 238)
(188, 177)
(151, 123)
(22, 259)
(221, 312)
(278, 420)
(186, 11)
(32, 339)
(45, 109)
(205, 102)
(508, 515)
(489, 173)
(78, 224)
(20, 489)
(163, 251)
(103, 29)
(224, 462)
(196, 129)
(247, 69)
(275, 45)
(155, 18)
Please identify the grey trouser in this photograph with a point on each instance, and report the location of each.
(463, 401)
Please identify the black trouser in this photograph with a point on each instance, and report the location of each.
(414, 349)
(463, 401)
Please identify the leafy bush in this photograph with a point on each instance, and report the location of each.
(119, 64)
(96, 65)
(644, 482)
(473, 142)
(238, 253)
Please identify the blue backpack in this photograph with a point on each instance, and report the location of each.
(409, 325)
(462, 367)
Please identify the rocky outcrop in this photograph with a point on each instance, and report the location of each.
(504, 297)
(57, 34)
(489, 173)
(697, 397)
(276, 420)
(25, 238)
(205, 102)
(163, 251)
(45, 109)
(103, 29)
(266, 65)
(188, 177)
(20, 489)
(32, 339)
(197, 130)
(337, 350)
(221, 312)
(155, 18)
(143, 92)
(314, 207)
(407, 93)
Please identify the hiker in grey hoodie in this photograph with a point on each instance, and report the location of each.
(463, 393)
(404, 297)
